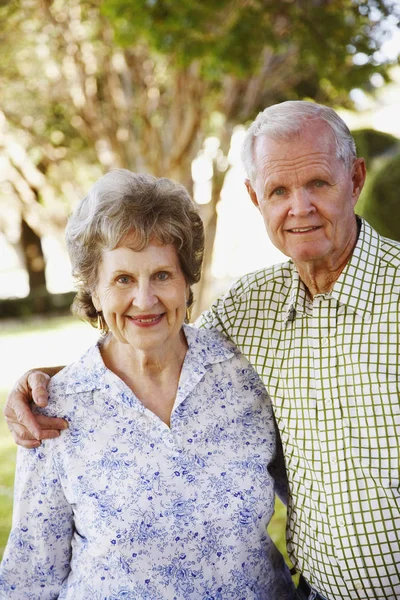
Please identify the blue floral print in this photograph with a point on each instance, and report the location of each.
(123, 507)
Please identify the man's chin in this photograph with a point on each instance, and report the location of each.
(307, 255)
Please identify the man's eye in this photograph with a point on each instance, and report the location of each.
(278, 191)
(162, 276)
(318, 183)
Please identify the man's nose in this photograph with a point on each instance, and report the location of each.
(301, 203)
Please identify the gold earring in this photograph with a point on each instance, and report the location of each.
(188, 314)
(101, 324)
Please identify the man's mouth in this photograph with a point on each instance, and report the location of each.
(302, 229)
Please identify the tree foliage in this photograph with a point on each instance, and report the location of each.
(372, 144)
(382, 202)
(314, 41)
(88, 85)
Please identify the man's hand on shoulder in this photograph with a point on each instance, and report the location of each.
(28, 429)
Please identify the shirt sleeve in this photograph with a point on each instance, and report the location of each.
(213, 318)
(223, 313)
(37, 555)
(277, 468)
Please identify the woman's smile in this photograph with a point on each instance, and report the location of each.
(146, 320)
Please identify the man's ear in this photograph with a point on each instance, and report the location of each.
(358, 175)
(252, 193)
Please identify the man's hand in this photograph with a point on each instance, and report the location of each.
(28, 429)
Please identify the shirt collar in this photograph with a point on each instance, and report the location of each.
(205, 348)
(208, 347)
(356, 284)
(297, 298)
(87, 374)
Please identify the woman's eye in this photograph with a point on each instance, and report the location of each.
(318, 183)
(278, 191)
(123, 279)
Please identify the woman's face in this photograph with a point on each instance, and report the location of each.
(142, 295)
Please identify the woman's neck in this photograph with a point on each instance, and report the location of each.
(148, 363)
(153, 376)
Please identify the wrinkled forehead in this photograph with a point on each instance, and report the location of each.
(308, 133)
(313, 143)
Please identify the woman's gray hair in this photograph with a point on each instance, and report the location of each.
(285, 120)
(121, 203)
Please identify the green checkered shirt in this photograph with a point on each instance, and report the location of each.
(331, 366)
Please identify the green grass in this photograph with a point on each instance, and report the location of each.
(23, 345)
(7, 467)
(47, 342)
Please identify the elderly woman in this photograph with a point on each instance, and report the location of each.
(160, 488)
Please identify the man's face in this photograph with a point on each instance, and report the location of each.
(307, 196)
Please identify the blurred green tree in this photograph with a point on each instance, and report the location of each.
(372, 144)
(376, 202)
(90, 85)
(381, 203)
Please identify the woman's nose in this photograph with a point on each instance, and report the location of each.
(144, 297)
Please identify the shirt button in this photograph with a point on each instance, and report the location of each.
(328, 402)
(358, 586)
(168, 440)
(334, 460)
(325, 342)
(341, 522)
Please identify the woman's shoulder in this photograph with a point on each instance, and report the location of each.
(214, 347)
(210, 341)
(79, 376)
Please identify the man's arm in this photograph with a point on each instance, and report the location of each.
(213, 318)
(229, 310)
(278, 470)
(28, 429)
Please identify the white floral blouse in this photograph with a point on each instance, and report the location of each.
(122, 507)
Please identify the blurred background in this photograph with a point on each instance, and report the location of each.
(167, 88)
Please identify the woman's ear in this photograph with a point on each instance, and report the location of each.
(96, 301)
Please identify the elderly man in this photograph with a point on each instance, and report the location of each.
(323, 332)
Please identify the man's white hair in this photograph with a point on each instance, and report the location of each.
(288, 119)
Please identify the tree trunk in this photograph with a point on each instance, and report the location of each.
(208, 213)
(35, 263)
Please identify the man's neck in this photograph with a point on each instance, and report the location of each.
(319, 283)
(319, 277)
